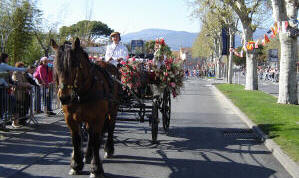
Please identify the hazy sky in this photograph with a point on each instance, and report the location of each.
(124, 16)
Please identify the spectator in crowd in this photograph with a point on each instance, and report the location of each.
(22, 91)
(5, 67)
(186, 73)
(4, 83)
(44, 75)
(36, 89)
(116, 51)
(29, 76)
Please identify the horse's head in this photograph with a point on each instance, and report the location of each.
(69, 65)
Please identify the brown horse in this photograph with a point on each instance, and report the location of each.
(84, 92)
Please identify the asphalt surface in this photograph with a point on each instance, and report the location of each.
(263, 85)
(206, 139)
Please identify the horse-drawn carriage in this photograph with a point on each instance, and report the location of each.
(147, 100)
(88, 98)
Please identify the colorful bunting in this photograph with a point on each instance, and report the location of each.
(250, 45)
(266, 39)
(256, 45)
(274, 30)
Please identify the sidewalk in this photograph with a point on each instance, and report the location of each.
(25, 145)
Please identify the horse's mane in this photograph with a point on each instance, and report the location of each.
(63, 63)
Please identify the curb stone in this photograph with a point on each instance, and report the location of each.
(290, 165)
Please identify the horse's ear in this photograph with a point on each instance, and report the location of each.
(53, 44)
(77, 43)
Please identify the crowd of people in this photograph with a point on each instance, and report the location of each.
(269, 73)
(197, 72)
(18, 84)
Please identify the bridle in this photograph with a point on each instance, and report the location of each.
(75, 89)
(77, 96)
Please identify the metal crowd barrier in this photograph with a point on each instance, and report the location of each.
(22, 104)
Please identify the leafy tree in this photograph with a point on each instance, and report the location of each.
(248, 13)
(21, 34)
(87, 31)
(203, 45)
(34, 52)
(5, 23)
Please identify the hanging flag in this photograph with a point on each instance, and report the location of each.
(249, 45)
(256, 45)
(241, 55)
(263, 42)
(273, 32)
(266, 39)
(284, 27)
(275, 28)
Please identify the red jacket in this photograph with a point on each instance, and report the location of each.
(44, 74)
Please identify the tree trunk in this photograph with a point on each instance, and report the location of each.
(230, 59)
(287, 78)
(251, 71)
(220, 67)
(251, 61)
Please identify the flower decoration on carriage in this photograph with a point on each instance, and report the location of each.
(171, 75)
(160, 49)
(130, 74)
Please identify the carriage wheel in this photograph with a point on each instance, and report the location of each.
(166, 108)
(141, 112)
(154, 122)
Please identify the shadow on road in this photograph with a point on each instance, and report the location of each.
(210, 148)
(205, 143)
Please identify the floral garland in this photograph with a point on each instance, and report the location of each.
(170, 75)
(130, 74)
(160, 49)
(163, 71)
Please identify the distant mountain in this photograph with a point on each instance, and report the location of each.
(174, 39)
(177, 39)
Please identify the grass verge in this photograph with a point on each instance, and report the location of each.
(280, 122)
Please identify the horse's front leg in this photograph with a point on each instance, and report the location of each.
(88, 153)
(96, 168)
(77, 159)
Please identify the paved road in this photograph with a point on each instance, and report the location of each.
(200, 143)
(264, 85)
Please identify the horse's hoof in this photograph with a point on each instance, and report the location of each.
(107, 155)
(73, 172)
(92, 175)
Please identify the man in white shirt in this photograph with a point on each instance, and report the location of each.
(116, 51)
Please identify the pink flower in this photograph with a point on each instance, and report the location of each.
(168, 67)
(172, 84)
(162, 42)
(123, 62)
